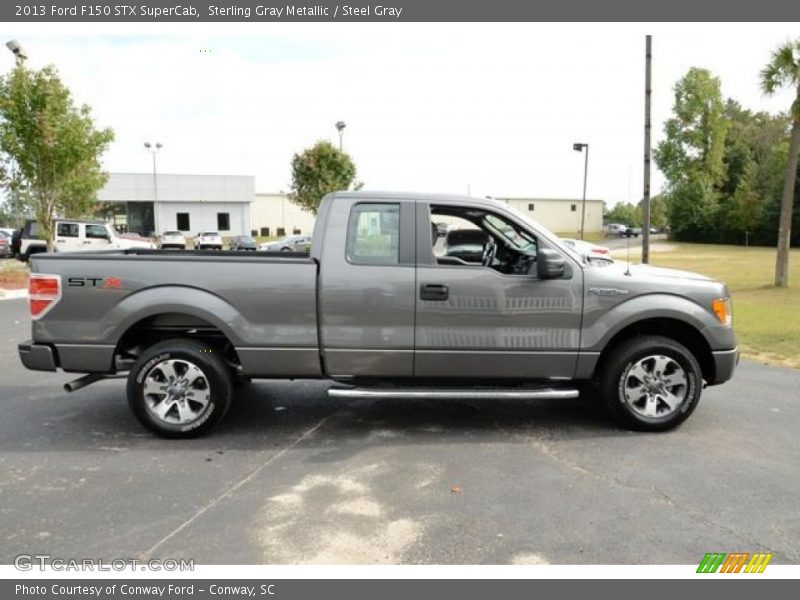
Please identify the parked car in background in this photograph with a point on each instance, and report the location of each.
(291, 243)
(75, 235)
(172, 239)
(614, 229)
(5, 245)
(8, 231)
(243, 242)
(16, 242)
(590, 251)
(208, 240)
(630, 232)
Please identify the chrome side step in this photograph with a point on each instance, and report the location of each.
(453, 393)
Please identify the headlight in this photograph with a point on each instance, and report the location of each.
(723, 310)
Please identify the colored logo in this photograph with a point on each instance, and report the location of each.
(736, 562)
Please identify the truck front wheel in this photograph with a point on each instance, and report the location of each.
(179, 388)
(651, 383)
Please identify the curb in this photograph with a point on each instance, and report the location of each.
(13, 294)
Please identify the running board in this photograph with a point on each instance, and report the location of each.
(453, 393)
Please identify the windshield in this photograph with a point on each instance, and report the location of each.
(526, 220)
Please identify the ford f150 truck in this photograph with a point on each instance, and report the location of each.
(376, 310)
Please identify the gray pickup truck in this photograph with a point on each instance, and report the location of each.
(383, 311)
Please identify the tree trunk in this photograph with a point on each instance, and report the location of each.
(785, 223)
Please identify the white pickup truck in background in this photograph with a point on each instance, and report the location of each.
(74, 235)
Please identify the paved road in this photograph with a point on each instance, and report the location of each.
(292, 477)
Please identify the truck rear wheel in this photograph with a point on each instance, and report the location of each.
(179, 388)
(651, 383)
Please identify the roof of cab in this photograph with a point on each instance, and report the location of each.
(418, 197)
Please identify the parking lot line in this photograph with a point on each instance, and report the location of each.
(227, 493)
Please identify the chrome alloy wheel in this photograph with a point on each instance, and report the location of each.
(176, 391)
(654, 386)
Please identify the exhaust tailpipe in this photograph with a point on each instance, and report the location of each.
(88, 379)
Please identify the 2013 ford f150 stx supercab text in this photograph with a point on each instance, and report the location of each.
(376, 310)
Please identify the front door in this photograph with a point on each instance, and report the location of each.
(474, 321)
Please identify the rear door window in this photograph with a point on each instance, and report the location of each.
(67, 230)
(373, 235)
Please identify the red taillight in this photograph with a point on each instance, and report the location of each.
(44, 291)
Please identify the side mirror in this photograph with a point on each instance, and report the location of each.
(549, 264)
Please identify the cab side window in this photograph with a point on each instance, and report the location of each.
(373, 234)
(67, 230)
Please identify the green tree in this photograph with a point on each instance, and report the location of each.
(747, 202)
(691, 155)
(756, 142)
(783, 70)
(49, 148)
(318, 171)
(658, 211)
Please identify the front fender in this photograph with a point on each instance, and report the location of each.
(602, 322)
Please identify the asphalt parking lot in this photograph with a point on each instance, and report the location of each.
(293, 477)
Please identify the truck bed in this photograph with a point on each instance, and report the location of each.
(264, 303)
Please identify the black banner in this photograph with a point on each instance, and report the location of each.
(196, 11)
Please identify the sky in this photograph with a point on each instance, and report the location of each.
(486, 109)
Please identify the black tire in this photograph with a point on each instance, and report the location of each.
(215, 388)
(617, 379)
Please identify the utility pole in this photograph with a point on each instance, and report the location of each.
(648, 59)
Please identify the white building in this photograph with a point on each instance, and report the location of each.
(142, 203)
(561, 215)
(276, 215)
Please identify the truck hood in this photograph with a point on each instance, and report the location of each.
(620, 268)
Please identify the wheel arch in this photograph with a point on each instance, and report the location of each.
(154, 315)
(670, 327)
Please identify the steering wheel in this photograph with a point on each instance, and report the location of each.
(489, 252)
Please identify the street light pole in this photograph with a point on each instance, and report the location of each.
(579, 147)
(17, 50)
(340, 125)
(154, 150)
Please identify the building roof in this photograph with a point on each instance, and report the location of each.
(139, 187)
(549, 199)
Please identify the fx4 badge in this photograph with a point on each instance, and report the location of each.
(108, 283)
(607, 291)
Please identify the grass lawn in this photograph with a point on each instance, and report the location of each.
(13, 274)
(766, 319)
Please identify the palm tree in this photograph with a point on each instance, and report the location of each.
(784, 70)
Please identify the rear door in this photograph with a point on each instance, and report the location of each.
(367, 289)
(473, 322)
(68, 237)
